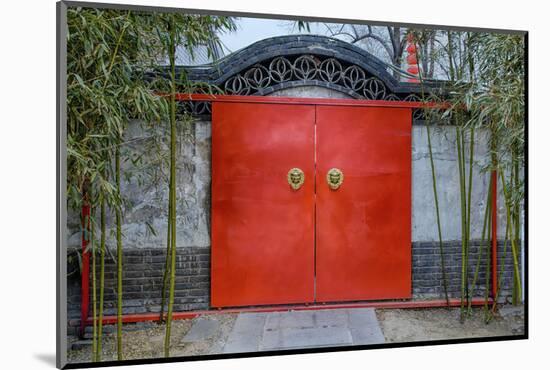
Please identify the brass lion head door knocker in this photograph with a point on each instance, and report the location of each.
(295, 178)
(335, 178)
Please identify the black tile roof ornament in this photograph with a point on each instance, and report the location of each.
(306, 60)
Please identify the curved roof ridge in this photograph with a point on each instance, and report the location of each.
(292, 46)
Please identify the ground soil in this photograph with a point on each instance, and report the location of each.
(146, 340)
(213, 344)
(444, 323)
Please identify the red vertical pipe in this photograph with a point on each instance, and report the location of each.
(494, 230)
(85, 284)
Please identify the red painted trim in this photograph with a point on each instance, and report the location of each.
(306, 101)
(494, 232)
(383, 304)
(85, 284)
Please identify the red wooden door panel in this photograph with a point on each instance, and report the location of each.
(363, 229)
(262, 229)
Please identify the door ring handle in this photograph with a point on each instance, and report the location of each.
(335, 178)
(295, 178)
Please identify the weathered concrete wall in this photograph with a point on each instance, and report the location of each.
(424, 226)
(147, 193)
(310, 92)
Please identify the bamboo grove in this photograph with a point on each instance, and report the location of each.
(121, 66)
(113, 76)
(485, 95)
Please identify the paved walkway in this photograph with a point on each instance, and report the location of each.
(303, 329)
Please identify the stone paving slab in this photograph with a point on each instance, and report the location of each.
(290, 338)
(303, 329)
(203, 328)
(331, 318)
(291, 319)
(364, 326)
(246, 334)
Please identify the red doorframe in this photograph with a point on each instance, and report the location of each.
(317, 101)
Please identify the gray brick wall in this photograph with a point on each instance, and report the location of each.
(142, 282)
(143, 269)
(427, 281)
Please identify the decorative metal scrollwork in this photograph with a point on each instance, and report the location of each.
(280, 70)
(330, 70)
(354, 78)
(305, 67)
(411, 97)
(237, 85)
(258, 77)
(374, 89)
(285, 71)
(195, 108)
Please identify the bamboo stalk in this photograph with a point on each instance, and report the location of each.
(470, 177)
(115, 52)
(117, 208)
(436, 201)
(434, 188)
(468, 214)
(495, 168)
(486, 218)
(460, 154)
(450, 53)
(513, 232)
(488, 253)
(501, 272)
(167, 261)
(173, 134)
(516, 298)
(502, 260)
(462, 184)
(512, 239)
(119, 258)
(101, 279)
(94, 293)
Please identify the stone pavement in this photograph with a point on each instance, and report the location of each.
(203, 328)
(303, 329)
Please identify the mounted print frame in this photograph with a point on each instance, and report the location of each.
(339, 184)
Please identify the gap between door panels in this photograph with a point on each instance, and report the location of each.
(315, 206)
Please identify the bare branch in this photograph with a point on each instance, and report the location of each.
(377, 38)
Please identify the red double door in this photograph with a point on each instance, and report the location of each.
(273, 244)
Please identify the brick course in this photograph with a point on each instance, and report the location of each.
(143, 272)
(142, 281)
(427, 281)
